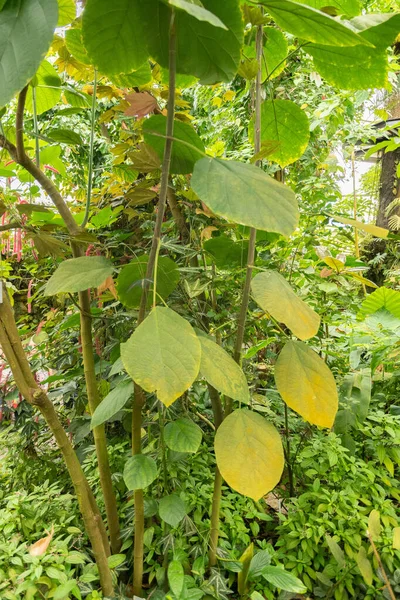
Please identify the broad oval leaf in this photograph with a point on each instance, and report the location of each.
(374, 525)
(112, 403)
(221, 371)
(183, 435)
(350, 8)
(380, 29)
(306, 384)
(285, 123)
(66, 12)
(139, 472)
(249, 453)
(210, 53)
(184, 156)
(47, 86)
(163, 355)
(132, 277)
(244, 194)
(283, 580)
(312, 25)
(74, 44)
(172, 509)
(275, 295)
(381, 298)
(79, 274)
(176, 577)
(113, 35)
(197, 11)
(226, 253)
(26, 32)
(275, 53)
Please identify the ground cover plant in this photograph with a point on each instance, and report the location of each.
(199, 299)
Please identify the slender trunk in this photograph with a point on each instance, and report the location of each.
(25, 381)
(139, 397)
(216, 502)
(389, 187)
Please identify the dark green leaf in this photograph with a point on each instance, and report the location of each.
(112, 403)
(172, 509)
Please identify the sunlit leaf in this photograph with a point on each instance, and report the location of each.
(381, 298)
(374, 525)
(78, 274)
(306, 384)
(66, 12)
(275, 295)
(197, 11)
(163, 355)
(249, 453)
(349, 8)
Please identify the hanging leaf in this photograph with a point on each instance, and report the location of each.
(283, 580)
(176, 577)
(244, 194)
(245, 561)
(381, 298)
(367, 227)
(132, 277)
(121, 47)
(285, 123)
(139, 472)
(396, 538)
(226, 253)
(306, 384)
(65, 136)
(210, 53)
(379, 29)
(66, 12)
(365, 566)
(374, 525)
(221, 371)
(137, 78)
(336, 550)
(355, 68)
(112, 403)
(184, 156)
(197, 11)
(40, 547)
(141, 104)
(172, 509)
(74, 44)
(79, 274)
(48, 245)
(26, 32)
(275, 295)
(163, 355)
(47, 86)
(312, 25)
(274, 55)
(249, 453)
(183, 435)
(350, 8)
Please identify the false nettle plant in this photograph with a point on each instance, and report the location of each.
(120, 44)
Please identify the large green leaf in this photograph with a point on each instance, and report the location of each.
(350, 8)
(249, 453)
(74, 43)
(275, 53)
(244, 194)
(78, 274)
(66, 12)
(275, 295)
(113, 34)
(379, 29)
(354, 68)
(210, 53)
(47, 86)
(137, 78)
(176, 577)
(226, 253)
(221, 371)
(183, 435)
(186, 140)
(132, 277)
(306, 384)
(381, 298)
(197, 11)
(139, 472)
(172, 509)
(26, 32)
(163, 355)
(312, 25)
(112, 403)
(285, 123)
(283, 580)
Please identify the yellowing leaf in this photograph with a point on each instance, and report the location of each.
(275, 295)
(221, 371)
(396, 538)
(334, 263)
(360, 278)
(364, 565)
(163, 355)
(306, 384)
(368, 228)
(374, 525)
(249, 453)
(40, 547)
(245, 559)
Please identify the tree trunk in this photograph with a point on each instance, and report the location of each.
(389, 188)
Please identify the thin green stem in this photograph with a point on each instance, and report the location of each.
(91, 151)
(35, 126)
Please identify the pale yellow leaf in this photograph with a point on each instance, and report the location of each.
(249, 453)
(396, 538)
(334, 263)
(374, 230)
(364, 565)
(374, 525)
(306, 384)
(275, 295)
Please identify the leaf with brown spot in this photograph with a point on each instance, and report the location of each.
(141, 104)
(108, 285)
(40, 547)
